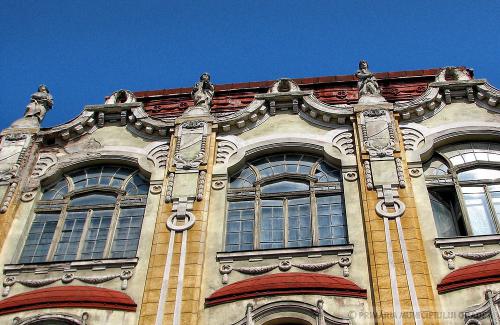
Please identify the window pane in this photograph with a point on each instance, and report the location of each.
(495, 196)
(272, 224)
(331, 220)
(56, 192)
(93, 199)
(299, 222)
(240, 224)
(479, 173)
(245, 178)
(480, 217)
(97, 234)
(137, 186)
(326, 173)
(128, 232)
(284, 186)
(443, 217)
(67, 247)
(39, 238)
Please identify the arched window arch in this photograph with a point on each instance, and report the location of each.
(464, 188)
(285, 200)
(91, 213)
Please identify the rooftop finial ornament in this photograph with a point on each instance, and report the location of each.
(203, 92)
(40, 103)
(369, 90)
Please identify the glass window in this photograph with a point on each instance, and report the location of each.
(464, 189)
(90, 201)
(285, 200)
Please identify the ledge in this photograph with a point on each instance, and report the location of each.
(471, 275)
(101, 264)
(467, 241)
(315, 251)
(65, 297)
(294, 283)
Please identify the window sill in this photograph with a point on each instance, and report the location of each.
(472, 241)
(256, 255)
(45, 267)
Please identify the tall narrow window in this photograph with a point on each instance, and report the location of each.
(92, 213)
(464, 188)
(285, 200)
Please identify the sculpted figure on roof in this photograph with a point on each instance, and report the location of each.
(203, 92)
(367, 84)
(40, 103)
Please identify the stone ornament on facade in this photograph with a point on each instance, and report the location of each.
(416, 172)
(226, 147)
(281, 309)
(368, 175)
(488, 311)
(52, 317)
(449, 256)
(368, 88)
(191, 145)
(218, 185)
(202, 95)
(225, 269)
(345, 142)
(189, 220)
(66, 278)
(159, 155)
(350, 176)
(378, 134)
(155, 189)
(40, 103)
(121, 96)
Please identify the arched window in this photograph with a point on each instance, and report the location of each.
(464, 188)
(91, 213)
(285, 200)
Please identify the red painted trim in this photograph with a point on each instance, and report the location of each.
(300, 81)
(470, 276)
(68, 297)
(286, 284)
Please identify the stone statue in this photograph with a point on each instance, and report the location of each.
(40, 103)
(367, 84)
(203, 92)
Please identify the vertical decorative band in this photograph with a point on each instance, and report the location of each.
(180, 280)
(409, 275)
(398, 320)
(166, 277)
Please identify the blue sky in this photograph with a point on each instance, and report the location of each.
(84, 50)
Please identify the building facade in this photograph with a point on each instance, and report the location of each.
(360, 199)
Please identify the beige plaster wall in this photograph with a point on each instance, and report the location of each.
(461, 112)
(114, 135)
(96, 316)
(121, 141)
(283, 123)
(212, 280)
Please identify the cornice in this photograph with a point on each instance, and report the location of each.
(130, 114)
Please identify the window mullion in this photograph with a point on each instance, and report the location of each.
(491, 207)
(258, 212)
(57, 233)
(463, 207)
(84, 233)
(112, 228)
(285, 222)
(314, 219)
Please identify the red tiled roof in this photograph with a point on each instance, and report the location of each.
(395, 86)
(471, 275)
(68, 296)
(286, 283)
